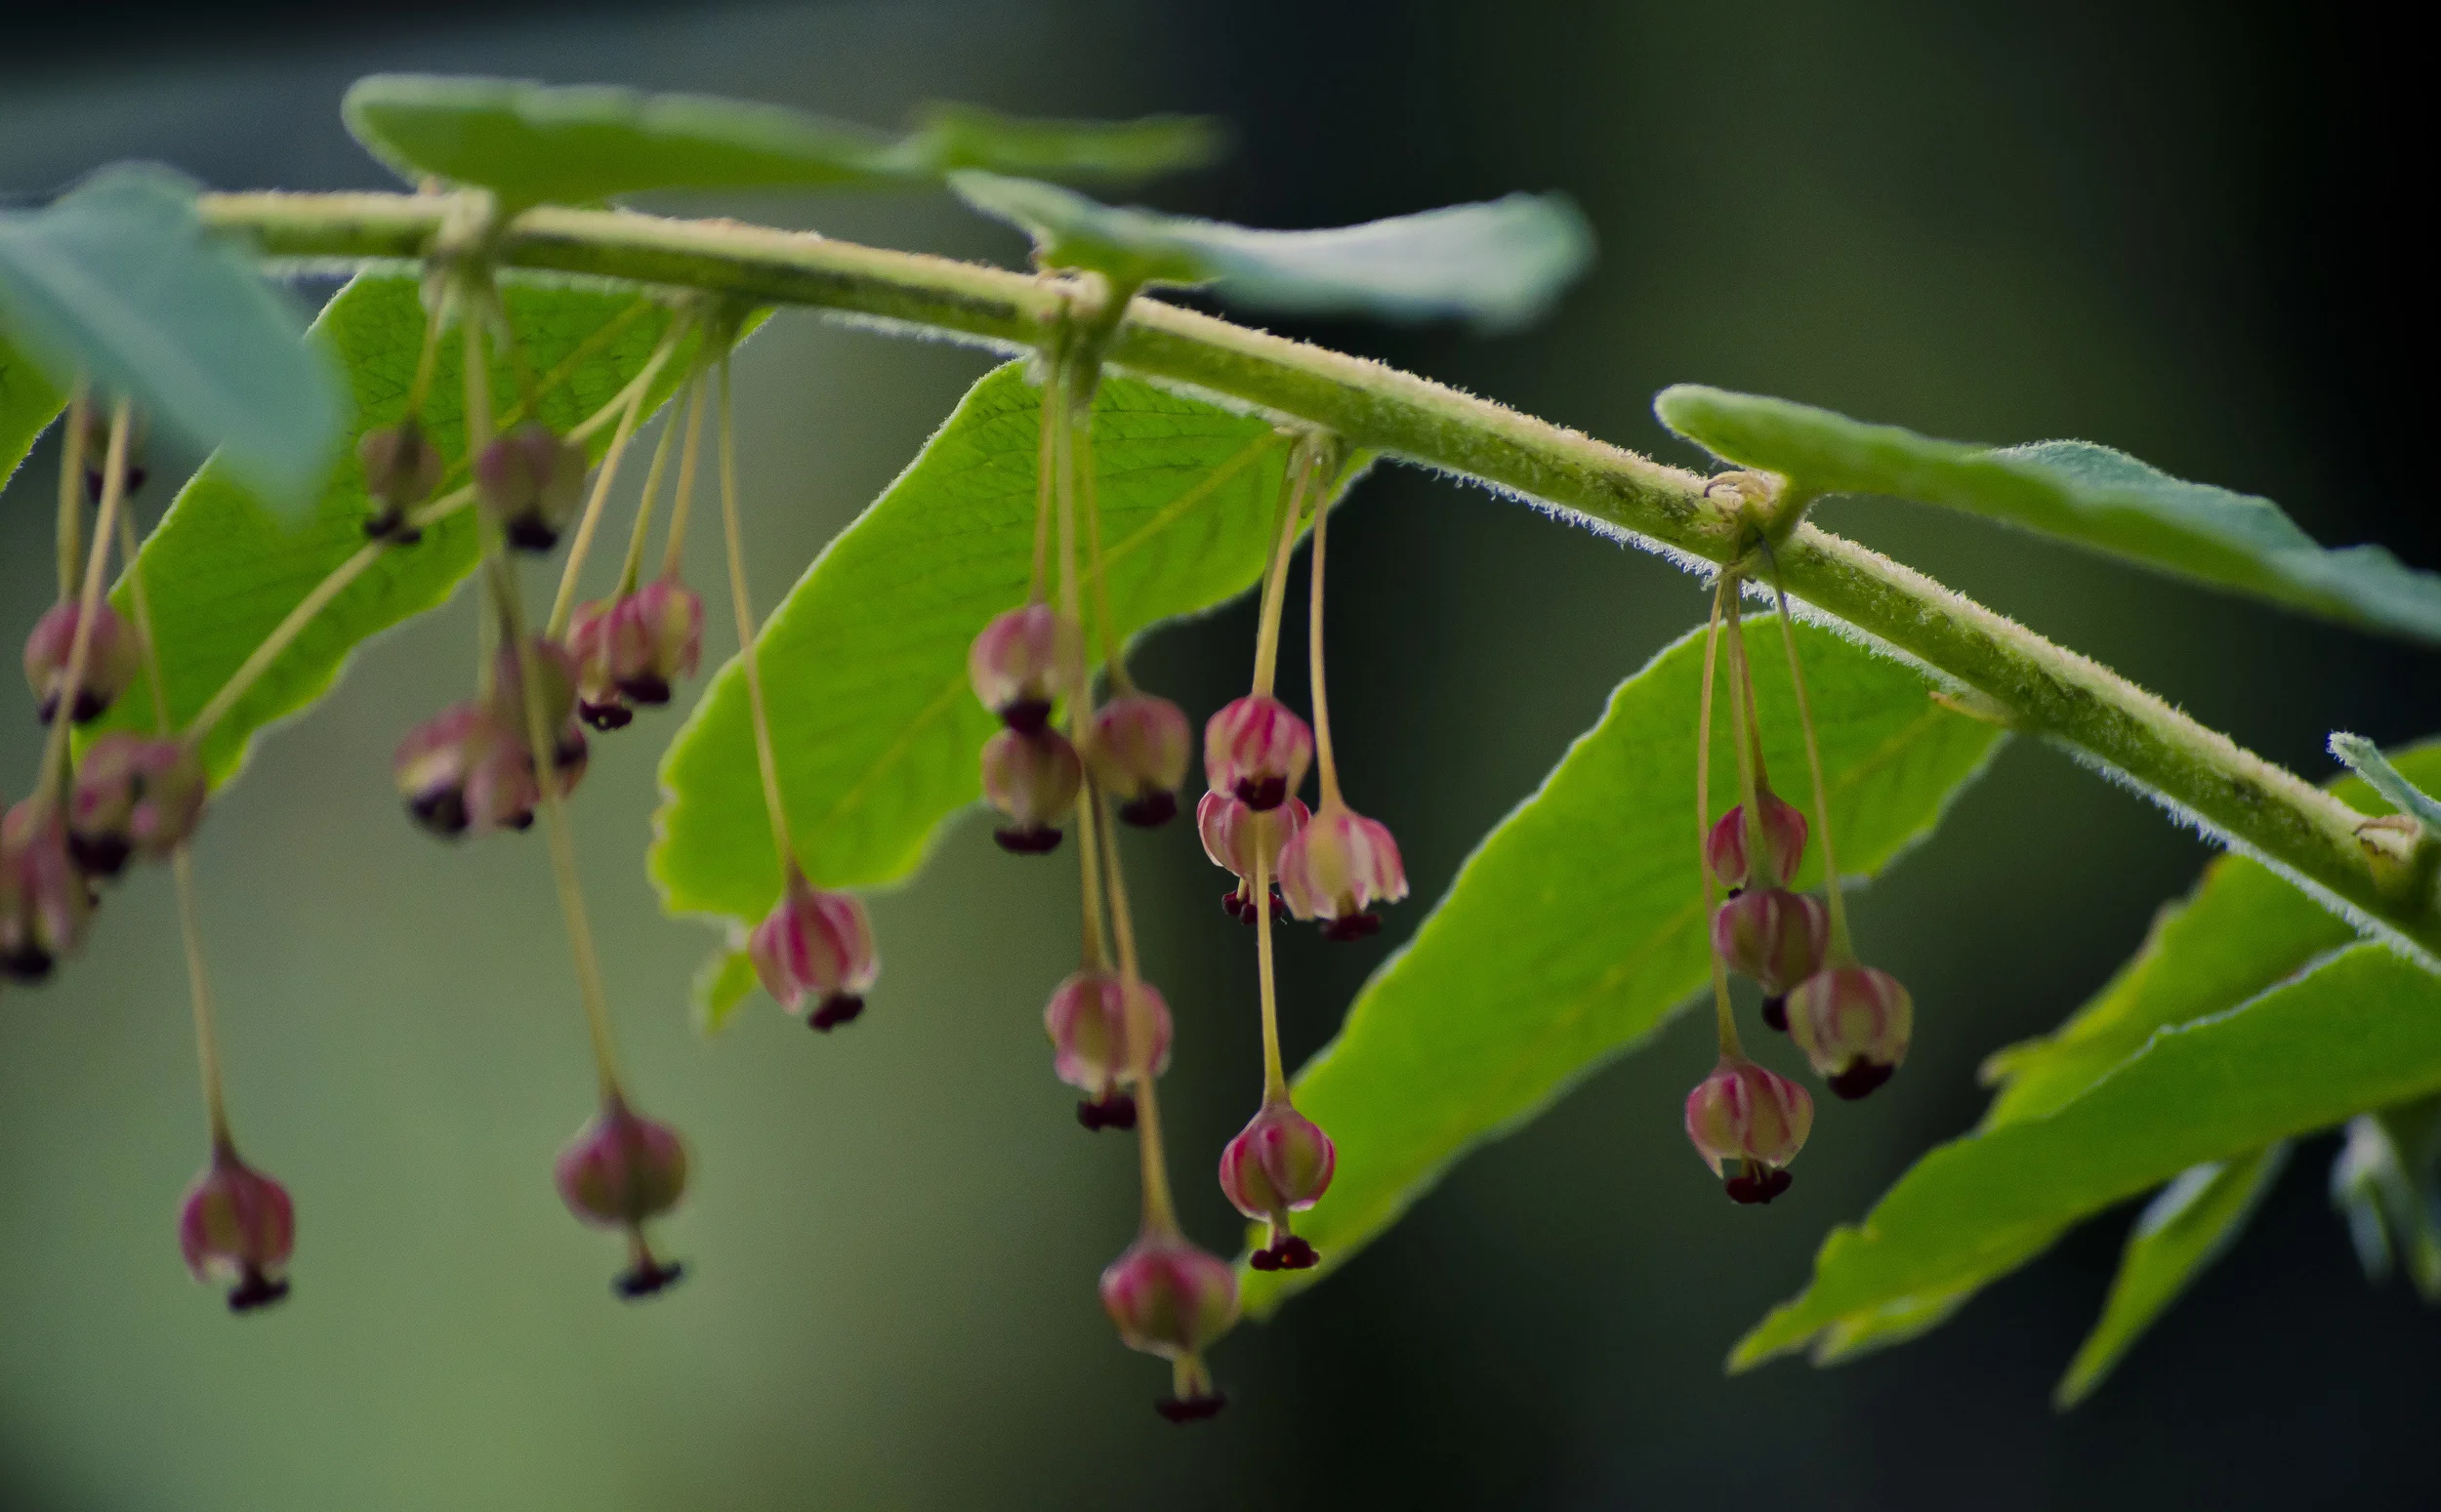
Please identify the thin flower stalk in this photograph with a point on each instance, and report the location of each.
(766, 763)
(564, 604)
(1723, 1017)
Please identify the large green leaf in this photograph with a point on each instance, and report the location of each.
(1499, 264)
(119, 282)
(530, 143)
(2361, 1031)
(220, 572)
(2080, 492)
(28, 403)
(1577, 928)
(865, 662)
(2241, 930)
(2182, 1232)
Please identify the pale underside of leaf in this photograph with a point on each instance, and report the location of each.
(2360, 1030)
(1576, 928)
(118, 281)
(2088, 495)
(220, 572)
(1500, 265)
(864, 661)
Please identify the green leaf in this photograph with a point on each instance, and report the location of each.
(530, 143)
(118, 280)
(29, 403)
(2079, 492)
(2243, 929)
(1499, 264)
(951, 136)
(1576, 928)
(2387, 1183)
(721, 984)
(2363, 758)
(221, 573)
(864, 663)
(2360, 1031)
(2182, 1232)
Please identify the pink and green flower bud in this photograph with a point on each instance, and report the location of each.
(112, 659)
(401, 468)
(239, 1227)
(45, 902)
(1087, 1020)
(1280, 1162)
(1784, 844)
(436, 759)
(1024, 662)
(1749, 1123)
(1773, 935)
(1139, 749)
(816, 947)
(1853, 1023)
(1236, 837)
(1168, 1298)
(593, 644)
(1337, 866)
(133, 797)
(531, 481)
(1032, 777)
(1256, 749)
(620, 1171)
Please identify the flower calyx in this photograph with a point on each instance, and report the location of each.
(1238, 838)
(1783, 829)
(632, 649)
(402, 470)
(1256, 749)
(531, 481)
(1337, 866)
(1032, 776)
(1853, 1023)
(1775, 936)
(1087, 1020)
(1280, 1162)
(132, 796)
(1748, 1122)
(1170, 1298)
(1138, 750)
(621, 1170)
(239, 1226)
(1024, 662)
(112, 659)
(816, 948)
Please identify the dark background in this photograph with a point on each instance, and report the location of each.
(2172, 228)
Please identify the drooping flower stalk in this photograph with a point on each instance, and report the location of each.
(674, 548)
(1298, 481)
(767, 761)
(631, 571)
(564, 604)
(71, 524)
(1724, 1018)
(1095, 829)
(1843, 948)
(89, 607)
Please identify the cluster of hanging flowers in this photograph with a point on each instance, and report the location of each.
(1061, 759)
(1851, 1021)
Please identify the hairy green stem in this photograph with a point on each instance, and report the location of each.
(2045, 689)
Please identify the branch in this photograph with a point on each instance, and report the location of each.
(2260, 808)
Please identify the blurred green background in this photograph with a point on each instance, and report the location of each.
(2153, 226)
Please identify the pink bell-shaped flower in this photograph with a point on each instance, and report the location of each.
(132, 796)
(1784, 844)
(1168, 1298)
(531, 481)
(1024, 662)
(621, 1170)
(1775, 936)
(1748, 1124)
(1280, 1162)
(237, 1225)
(1853, 1023)
(112, 659)
(1337, 866)
(1032, 776)
(1138, 752)
(1236, 837)
(45, 903)
(665, 620)
(1256, 749)
(401, 468)
(1087, 1020)
(815, 945)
